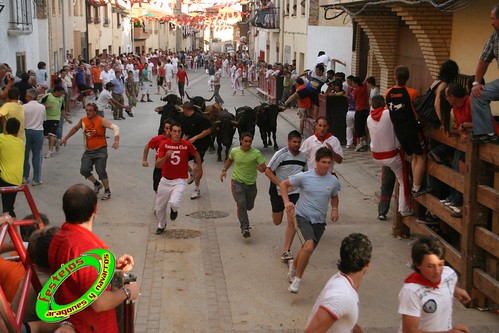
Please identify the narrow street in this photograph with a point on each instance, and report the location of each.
(202, 275)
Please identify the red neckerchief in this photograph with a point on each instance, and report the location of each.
(84, 233)
(328, 135)
(420, 279)
(376, 113)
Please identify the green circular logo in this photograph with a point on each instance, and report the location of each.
(46, 307)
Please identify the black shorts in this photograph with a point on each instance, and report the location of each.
(161, 80)
(276, 200)
(413, 144)
(50, 127)
(310, 231)
(360, 122)
(201, 154)
(84, 87)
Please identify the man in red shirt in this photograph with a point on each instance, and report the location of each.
(361, 99)
(173, 159)
(76, 237)
(153, 144)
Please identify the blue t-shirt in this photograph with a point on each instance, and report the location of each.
(315, 194)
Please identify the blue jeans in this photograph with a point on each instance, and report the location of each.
(483, 122)
(59, 128)
(34, 144)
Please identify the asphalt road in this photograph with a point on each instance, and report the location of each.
(202, 276)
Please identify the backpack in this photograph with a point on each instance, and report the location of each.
(424, 105)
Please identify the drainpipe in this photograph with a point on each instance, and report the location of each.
(63, 31)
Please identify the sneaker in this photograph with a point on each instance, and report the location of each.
(106, 196)
(57, 145)
(25, 180)
(191, 178)
(35, 183)
(49, 155)
(129, 113)
(160, 231)
(142, 101)
(455, 209)
(195, 194)
(349, 147)
(427, 221)
(485, 138)
(246, 233)
(407, 213)
(294, 287)
(149, 100)
(445, 201)
(358, 147)
(419, 192)
(98, 187)
(286, 256)
(173, 215)
(382, 217)
(291, 271)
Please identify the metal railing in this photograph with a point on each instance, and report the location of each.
(266, 18)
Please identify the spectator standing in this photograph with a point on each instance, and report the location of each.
(385, 150)
(23, 86)
(76, 237)
(13, 109)
(41, 74)
(482, 95)
(337, 307)
(247, 161)
(96, 71)
(361, 98)
(145, 83)
(11, 162)
(317, 188)
(350, 120)
(217, 83)
(161, 77)
(131, 93)
(409, 133)
(34, 116)
(94, 139)
(304, 104)
(286, 162)
(118, 90)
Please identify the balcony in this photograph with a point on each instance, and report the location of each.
(141, 33)
(266, 19)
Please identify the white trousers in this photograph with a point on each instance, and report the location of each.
(169, 192)
(395, 163)
(350, 125)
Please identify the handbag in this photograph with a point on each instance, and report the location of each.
(424, 105)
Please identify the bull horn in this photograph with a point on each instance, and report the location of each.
(158, 109)
(217, 122)
(209, 100)
(178, 108)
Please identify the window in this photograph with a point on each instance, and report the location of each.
(118, 20)
(59, 7)
(75, 7)
(303, 4)
(21, 18)
(21, 62)
(54, 5)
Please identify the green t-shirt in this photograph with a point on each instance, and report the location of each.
(53, 105)
(245, 163)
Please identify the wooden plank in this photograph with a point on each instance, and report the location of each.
(452, 256)
(433, 204)
(445, 174)
(486, 284)
(452, 141)
(488, 197)
(489, 153)
(487, 240)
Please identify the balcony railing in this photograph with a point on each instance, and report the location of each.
(141, 33)
(267, 18)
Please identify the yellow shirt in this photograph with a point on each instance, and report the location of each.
(13, 110)
(11, 159)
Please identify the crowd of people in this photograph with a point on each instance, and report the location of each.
(304, 184)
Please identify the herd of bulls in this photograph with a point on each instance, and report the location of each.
(223, 123)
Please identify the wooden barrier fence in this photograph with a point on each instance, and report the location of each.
(471, 242)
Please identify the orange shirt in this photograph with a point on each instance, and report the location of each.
(304, 102)
(11, 274)
(95, 71)
(94, 133)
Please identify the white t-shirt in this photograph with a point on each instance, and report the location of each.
(312, 144)
(34, 115)
(103, 100)
(169, 70)
(432, 306)
(106, 77)
(383, 137)
(340, 299)
(324, 59)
